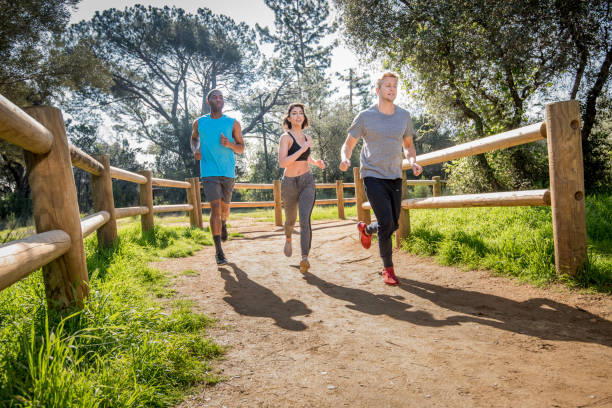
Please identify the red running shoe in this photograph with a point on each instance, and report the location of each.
(366, 240)
(389, 276)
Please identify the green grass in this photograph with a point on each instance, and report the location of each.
(513, 241)
(132, 345)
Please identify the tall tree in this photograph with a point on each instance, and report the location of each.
(586, 32)
(479, 62)
(35, 69)
(163, 62)
(359, 85)
(300, 27)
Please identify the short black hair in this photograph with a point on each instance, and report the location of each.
(209, 94)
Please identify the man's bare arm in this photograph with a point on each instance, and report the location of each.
(195, 141)
(410, 153)
(346, 152)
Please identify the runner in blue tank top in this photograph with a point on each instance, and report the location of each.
(215, 139)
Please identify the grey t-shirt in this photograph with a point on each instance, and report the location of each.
(381, 155)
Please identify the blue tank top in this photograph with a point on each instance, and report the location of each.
(217, 160)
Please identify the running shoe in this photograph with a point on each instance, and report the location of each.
(221, 259)
(366, 240)
(223, 232)
(287, 250)
(389, 276)
(304, 265)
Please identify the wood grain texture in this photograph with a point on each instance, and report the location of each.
(20, 258)
(103, 200)
(20, 129)
(566, 185)
(514, 137)
(55, 207)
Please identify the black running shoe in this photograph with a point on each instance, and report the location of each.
(223, 232)
(220, 258)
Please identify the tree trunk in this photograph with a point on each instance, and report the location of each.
(590, 110)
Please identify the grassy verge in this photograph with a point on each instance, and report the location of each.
(514, 241)
(133, 345)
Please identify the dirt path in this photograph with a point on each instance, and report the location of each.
(339, 337)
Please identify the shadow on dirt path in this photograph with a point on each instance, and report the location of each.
(338, 336)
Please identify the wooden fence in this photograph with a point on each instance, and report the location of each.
(58, 245)
(340, 200)
(561, 130)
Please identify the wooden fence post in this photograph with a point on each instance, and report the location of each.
(191, 199)
(146, 200)
(437, 188)
(340, 197)
(102, 190)
(278, 206)
(360, 195)
(403, 230)
(566, 185)
(55, 207)
(198, 197)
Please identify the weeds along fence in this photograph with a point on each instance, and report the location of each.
(561, 130)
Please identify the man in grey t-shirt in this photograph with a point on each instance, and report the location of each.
(385, 129)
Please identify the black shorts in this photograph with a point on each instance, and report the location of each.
(216, 187)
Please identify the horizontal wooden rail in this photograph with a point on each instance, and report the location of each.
(130, 211)
(92, 222)
(84, 161)
(505, 199)
(172, 208)
(20, 258)
(169, 183)
(329, 201)
(20, 129)
(242, 186)
(125, 175)
(515, 137)
(423, 182)
(245, 204)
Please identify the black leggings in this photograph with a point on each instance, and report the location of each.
(385, 196)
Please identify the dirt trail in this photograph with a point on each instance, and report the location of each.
(339, 337)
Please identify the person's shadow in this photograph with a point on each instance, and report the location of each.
(370, 303)
(249, 298)
(541, 318)
(538, 317)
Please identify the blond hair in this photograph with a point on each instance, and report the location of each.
(387, 74)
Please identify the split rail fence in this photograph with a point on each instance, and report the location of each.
(58, 245)
(561, 130)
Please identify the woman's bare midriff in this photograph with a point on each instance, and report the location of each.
(297, 169)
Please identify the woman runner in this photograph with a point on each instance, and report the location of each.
(297, 186)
